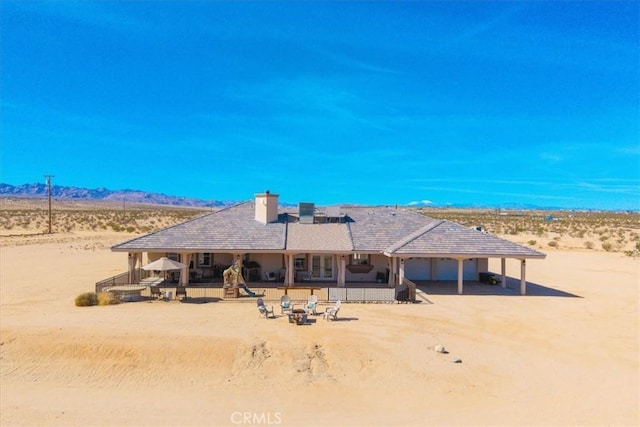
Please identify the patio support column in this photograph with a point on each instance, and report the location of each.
(394, 272)
(132, 267)
(503, 282)
(136, 271)
(460, 275)
(342, 274)
(285, 261)
(184, 272)
(401, 272)
(523, 279)
(291, 271)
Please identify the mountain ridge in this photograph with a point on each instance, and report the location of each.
(38, 190)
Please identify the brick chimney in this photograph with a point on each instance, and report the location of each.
(266, 207)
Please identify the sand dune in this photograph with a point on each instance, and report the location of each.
(565, 355)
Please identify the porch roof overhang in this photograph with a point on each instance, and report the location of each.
(465, 255)
(445, 239)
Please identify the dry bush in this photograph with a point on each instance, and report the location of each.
(87, 299)
(107, 298)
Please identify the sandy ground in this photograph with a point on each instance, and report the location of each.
(566, 355)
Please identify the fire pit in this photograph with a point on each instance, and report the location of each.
(299, 316)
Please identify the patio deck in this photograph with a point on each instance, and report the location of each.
(269, 291)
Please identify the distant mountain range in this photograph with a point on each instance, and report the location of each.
(136, 196)
(77, 193)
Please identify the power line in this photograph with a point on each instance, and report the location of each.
(48, 177)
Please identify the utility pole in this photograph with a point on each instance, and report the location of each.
(48, 177)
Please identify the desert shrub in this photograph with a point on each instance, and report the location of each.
(532, 242)
(107, 298)
(517, 229)
(588, 245)
(131, 229)
(553, 243)
(607, 246)
(87, 299)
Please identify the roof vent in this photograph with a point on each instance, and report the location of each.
(334, 214)
(306, 211)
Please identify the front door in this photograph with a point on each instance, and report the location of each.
(322, 267)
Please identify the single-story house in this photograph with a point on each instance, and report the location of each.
(337, 246)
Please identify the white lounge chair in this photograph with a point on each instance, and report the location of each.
(285, 304)
(312, 304)
(332, 312)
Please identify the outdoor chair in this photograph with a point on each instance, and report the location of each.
(312, 304)
(264, 311)
(285, 304)
(270, 277)
(155, 292)
(332, 312)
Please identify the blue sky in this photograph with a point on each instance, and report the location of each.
(329, 101)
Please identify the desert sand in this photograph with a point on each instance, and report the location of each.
(566, 354)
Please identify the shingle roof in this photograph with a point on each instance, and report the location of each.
(376, 228)
(233, 228)
(319, 238)
(367, 229)
(449, 238)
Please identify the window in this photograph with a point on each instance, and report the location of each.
(359, 259)
(300, 263)
(204, 259)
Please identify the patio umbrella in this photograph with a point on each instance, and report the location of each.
(163, 264)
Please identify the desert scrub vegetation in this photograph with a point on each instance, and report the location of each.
(635, 252)
(86, 299)
(107, 298)
(577, 229)
(32, 216)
